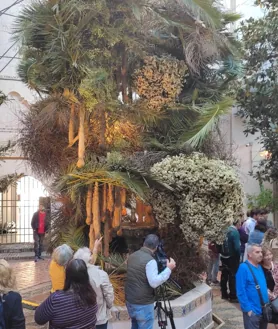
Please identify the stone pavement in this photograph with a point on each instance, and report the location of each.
(230, 313)
(33, 283)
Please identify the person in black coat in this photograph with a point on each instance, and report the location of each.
(40, 226)
(12, 302)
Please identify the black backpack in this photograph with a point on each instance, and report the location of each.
(223, 248)
(2, 318)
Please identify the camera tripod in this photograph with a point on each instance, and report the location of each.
(164, 312)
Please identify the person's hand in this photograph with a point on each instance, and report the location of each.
(97, 245)
(171, 264)
(249, 313)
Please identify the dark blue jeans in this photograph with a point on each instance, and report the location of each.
(142, 316)
(254, 321)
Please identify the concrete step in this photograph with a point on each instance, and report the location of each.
(16, 247)
(23, 255)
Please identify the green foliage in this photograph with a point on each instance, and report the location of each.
(263, 200)
(257, 95)
(207, 119)
(172, 63)
(97, 49)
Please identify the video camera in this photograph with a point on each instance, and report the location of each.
(161, 257)
(161, 307)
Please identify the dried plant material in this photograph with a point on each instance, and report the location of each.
(91, 237)
(96, 215)
(140, 210)
(208, 195)
(149, 219)
(110, 200)
(117, 215)
(89, 205)
(123, 197)
(106, 239)
(117, 281)
(81, 138)
(160, 80)
(71, 124)
(104, 203)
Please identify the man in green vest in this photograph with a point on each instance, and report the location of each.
(142, 279)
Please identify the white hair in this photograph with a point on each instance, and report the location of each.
(251, 246)
(62, 254)
(84, 254)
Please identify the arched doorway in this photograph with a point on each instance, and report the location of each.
(17, 206)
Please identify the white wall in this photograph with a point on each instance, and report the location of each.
(18, 94)
(246, 149)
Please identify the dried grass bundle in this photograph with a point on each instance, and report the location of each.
(118, 281)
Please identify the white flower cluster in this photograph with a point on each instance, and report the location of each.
(164, 207)
(207, 195)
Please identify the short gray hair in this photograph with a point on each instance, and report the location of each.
(251, 246)
(84, 254)
(62, 254)
(151, 241)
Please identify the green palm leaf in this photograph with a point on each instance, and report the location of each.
(230, 17)
(206, 122)
(74, 237)
(205, 11)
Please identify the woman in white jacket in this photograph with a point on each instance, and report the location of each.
(101, 284)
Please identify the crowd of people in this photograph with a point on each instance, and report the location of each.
(248, 261)
(82, 295)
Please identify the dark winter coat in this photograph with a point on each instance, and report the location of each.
(35, 221)
(243, 238)
(13, 312)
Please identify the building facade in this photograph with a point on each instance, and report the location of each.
(20, 201)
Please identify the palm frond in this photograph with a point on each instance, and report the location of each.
(205, 11)
(9, 180)
(230, 17)
(231, 67)
(207, 120)
(73, 237)
(75, 180)
(116, 263)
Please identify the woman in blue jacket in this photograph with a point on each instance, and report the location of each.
(256, 237)
(11, 311)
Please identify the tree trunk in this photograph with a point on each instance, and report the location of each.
(96, 216)
(89, 205)
(104, 203)
(102, 124)
(123, 201)
(81, 134)
(106, 238)
(140, 210)
(71, 124)
(149, 219)
(110, 199)
(117, 216)
(91, 237)
(124, 74)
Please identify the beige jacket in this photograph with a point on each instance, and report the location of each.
(101, 284)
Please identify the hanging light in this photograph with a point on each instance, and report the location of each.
(265, 154)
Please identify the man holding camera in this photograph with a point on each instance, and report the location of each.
(142, 278)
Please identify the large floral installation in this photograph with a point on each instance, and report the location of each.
(207, 195)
